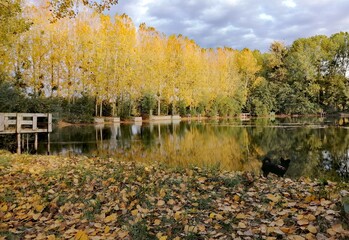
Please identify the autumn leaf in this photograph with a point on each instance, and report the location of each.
(4, 208)
(160, 203)
(241, 216)
(39, 208)
(157, 222)
(81, 235)
(134, 212)
(303, 222)
(312, 229)
(177, 215)
(110, 218)
(273, 198)
(242, 225)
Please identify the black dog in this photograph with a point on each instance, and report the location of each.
(278, 169)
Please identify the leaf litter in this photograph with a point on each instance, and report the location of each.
(52, 197)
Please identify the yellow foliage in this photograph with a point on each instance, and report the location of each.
(81, 235)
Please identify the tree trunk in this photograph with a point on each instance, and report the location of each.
(159, 106)
(96, 107)
(101, 109)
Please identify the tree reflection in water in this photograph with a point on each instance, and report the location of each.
(317, 147)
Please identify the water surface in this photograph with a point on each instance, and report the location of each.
(317, 147)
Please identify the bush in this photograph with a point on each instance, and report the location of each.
(80, 111)
(148, 103)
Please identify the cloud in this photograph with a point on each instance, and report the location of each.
(289, 3)
(266, 17)
(239, 23)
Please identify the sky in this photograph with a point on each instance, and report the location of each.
(239, 24)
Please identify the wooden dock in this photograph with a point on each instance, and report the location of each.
(26, 123)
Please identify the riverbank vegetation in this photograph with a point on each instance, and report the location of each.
(51, 197)
(96, 64)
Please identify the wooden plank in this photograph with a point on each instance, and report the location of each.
(10, 114)
(10, 122)
(39, 130)
(26, 122)
(2, 122)
(34, 114)
(8, 131)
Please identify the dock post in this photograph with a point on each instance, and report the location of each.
(49, 129)
(2, 122)
(36, 143)
(18, 143)
(18, 131)
(48, 144)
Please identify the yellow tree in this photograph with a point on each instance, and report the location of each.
(190, 85)
(247, 67)
(175, 72)
(125, 85)
(151, 49)
(36, 50)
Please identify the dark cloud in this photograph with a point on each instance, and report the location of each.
(238, 24)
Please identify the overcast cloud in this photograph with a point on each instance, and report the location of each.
(254, 24)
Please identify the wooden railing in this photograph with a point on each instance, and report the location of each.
(26, 123)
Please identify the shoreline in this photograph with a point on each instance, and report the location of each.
(62, 123)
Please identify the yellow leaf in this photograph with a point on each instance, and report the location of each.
(39, 208)
(278, 231)
(296, 237)
(331, 231)
(81, 235)
(8, 215)
(279, 222)
(241, 225)
(312, 229)
(122, 234)
(106, 229)
(36, 216)
(311, 217)
(212, 215)
(300, 216)
(309, 198)
(202, 179)
(303, 222)
(134, 212)
(110, 218)
(202, 228)
(157, 222)
(273, 198)
(162, 193)
(51, 237)
(163, 238)
(177, 215)
(338, 228)
(236, 198)
(241, 216)
(285, 229)
(4, 208)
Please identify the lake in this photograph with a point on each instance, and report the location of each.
(317, 147)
